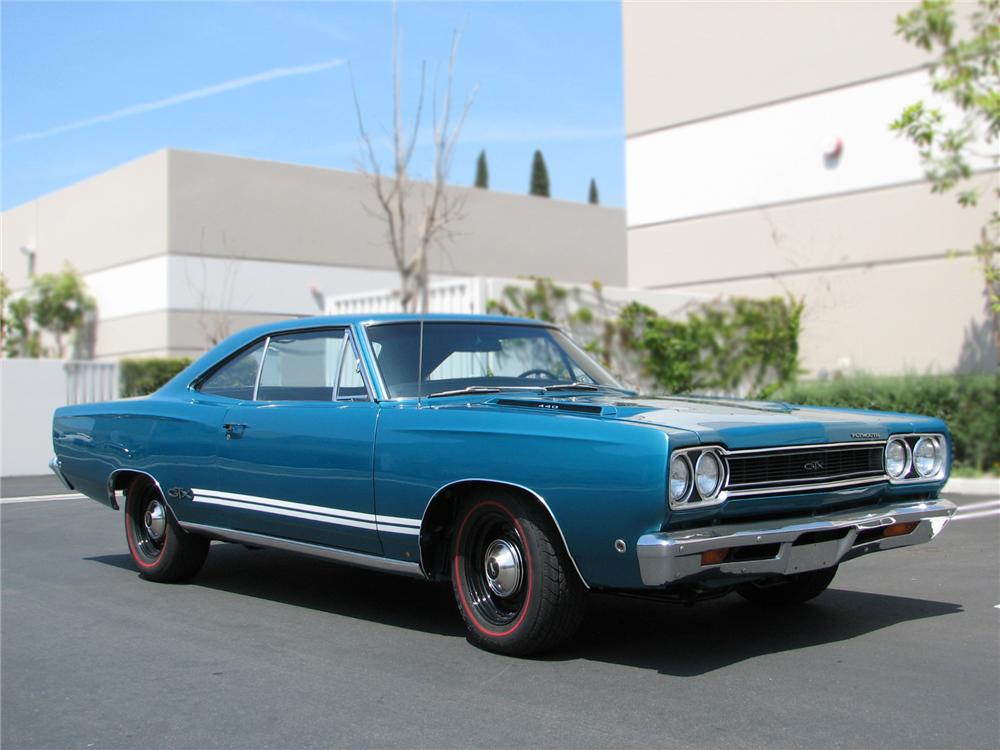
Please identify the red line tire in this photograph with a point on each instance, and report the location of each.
(514, 583)
(793, 589)
(161, 550)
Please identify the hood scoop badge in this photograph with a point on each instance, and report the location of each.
(563, 406)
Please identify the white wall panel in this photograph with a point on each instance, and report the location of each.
(183, 282)
(774, 154)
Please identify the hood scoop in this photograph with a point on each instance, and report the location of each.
(562, 406)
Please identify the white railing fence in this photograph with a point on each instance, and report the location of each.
(87, 382)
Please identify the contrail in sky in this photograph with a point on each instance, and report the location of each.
(187, 96)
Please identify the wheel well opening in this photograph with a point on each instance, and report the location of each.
(441, 519)
(122, 480)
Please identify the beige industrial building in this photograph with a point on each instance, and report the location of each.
(760, 162)
(180, 247)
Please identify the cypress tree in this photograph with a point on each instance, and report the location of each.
(482, 171)
(539, 176)
(592, 198)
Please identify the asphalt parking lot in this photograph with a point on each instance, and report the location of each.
(265, 649)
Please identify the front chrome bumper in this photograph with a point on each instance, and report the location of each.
(786, 546)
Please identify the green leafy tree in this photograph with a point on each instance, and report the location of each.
(482, 172)
(734, 347)
(4, 296)
(966, 71)
(16, 332)
(59, 304)
(592, 196)
(539, 176)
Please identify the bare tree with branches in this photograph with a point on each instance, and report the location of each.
(409, 237)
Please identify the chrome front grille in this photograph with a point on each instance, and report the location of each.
(810, 465)
(781, 469)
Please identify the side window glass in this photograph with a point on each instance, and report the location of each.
(351, 385)
(300, 366)
(236, 378)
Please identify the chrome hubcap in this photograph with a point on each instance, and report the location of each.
(503, 567)
(155, 520)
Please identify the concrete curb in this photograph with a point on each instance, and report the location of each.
(986, 486)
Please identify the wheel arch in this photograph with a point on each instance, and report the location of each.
(120, 479)
(438, 518)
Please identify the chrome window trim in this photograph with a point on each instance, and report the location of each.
(366, 324)
(260, 367)
(349, 342)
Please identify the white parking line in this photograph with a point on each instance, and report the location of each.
(980, 514)
(978, 506)
(40, 498)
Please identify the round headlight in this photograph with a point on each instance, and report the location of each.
(897, 458)
(680, 479)
(928, 456)
(708, 474)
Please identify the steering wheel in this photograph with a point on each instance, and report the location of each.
(539, 372)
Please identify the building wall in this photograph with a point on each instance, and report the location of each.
(730, 111)
(176, 243)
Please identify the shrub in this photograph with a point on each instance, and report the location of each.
(968, 403)
(140, 377)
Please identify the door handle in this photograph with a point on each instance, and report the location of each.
(234, 431)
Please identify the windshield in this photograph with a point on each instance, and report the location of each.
(459, 356)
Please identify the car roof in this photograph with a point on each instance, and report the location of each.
(238, 340)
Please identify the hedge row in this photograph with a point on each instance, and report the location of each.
(968, 403)
(140, 377)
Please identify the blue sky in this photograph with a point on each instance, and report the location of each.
(87, 86)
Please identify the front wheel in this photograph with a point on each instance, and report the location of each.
(793, 589)
(161, 550)
(513, 580)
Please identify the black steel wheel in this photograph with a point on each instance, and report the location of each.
(160, 549)
(793, 589)
(513, 581)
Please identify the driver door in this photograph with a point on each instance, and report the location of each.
(295, 460)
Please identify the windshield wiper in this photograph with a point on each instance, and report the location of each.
(485, 389)
(572, 387)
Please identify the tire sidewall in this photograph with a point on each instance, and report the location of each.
(486, 633)
(135, 502)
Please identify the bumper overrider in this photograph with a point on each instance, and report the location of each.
(787, 546)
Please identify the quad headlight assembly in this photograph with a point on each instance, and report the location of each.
(917, 457)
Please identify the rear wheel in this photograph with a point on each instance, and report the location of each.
(160, 549)
(513, 581)
(793, 589)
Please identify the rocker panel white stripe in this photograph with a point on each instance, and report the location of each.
(391, 524)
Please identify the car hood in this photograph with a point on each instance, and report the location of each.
(733, 423)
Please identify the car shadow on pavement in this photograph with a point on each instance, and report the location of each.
(688, 641)
(324, 587)
(669, 638)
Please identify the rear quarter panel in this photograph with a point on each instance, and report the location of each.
(174, 442)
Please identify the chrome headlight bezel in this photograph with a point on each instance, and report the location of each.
(693, 498)
(705, 457)
(907, 458)
(681, 459)
(912, 475)
(938, 460)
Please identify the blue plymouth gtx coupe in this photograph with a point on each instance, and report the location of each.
(494, 453)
